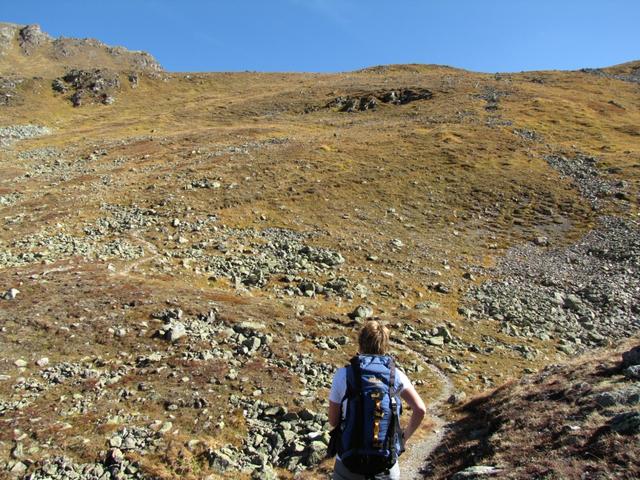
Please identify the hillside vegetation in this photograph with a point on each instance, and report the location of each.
(575, 421)
(187, 257)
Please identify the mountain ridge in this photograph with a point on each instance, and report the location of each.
(27, 50)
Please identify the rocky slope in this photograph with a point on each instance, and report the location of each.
(185, 259)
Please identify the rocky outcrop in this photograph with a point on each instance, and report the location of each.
(31, 37)
(370, 101)
(8, 32)
(88, 86)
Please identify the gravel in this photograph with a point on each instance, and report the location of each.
(49, 248)
(584, 172)
(13, 133)
(585, 295)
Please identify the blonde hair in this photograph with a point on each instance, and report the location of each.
(373, 338)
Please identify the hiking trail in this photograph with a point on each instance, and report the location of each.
(414, 459)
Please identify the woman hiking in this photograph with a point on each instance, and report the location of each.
(364, 409)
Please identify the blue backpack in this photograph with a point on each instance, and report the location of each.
(370, 436)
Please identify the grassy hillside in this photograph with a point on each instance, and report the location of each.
(209, 200)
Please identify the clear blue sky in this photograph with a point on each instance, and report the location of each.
(340, 35)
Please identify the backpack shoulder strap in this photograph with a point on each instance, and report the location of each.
(395, 431)
(355, 395)
(354, 363)
(392, 378)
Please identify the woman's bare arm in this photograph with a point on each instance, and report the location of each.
(334, 414)
(417, 407)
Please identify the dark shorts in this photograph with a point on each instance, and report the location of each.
(340, 472)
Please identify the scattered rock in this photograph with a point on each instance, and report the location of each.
(632, 77)
(272, 251)
(478, 471)
(9, 92)
(18, 451)
(43, 248)
(583, 171)
(582, 294)
(622, 396)
(529, 135)
(134, 80)
(397, 243)
(632, 372)
(115, 465)
(426, 305)
(42, 362)
(20, 363)
(11, 294)
(11, 134)
(18, 468)
(361, 312)
(627, 423)
(492, 98)
(175, 331)
(221, 460)
(440, 287)
(457, 398)
(541, 241)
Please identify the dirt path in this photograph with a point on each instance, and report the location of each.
(131, 266)
(414, 458)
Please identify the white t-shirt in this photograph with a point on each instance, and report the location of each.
(339, 385)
